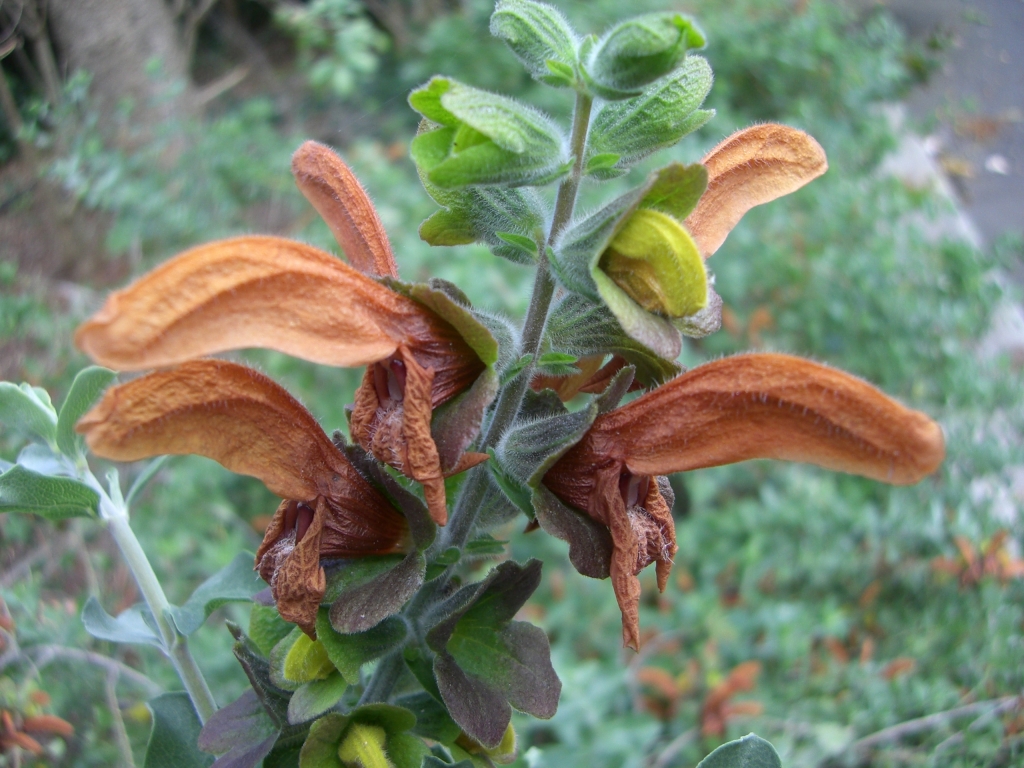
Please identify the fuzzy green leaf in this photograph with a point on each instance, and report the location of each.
(642, 49)
(55, 498)
(349, 652)
(749, 752)
(538, 35)
(590, 543)
(88, 385)
(482, 138)
(234, 583)
(28, 409)
(359, 606)
(133, 625)
(176, 727)
(636, 128)
(312, 699)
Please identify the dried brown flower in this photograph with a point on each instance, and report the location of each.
(251, 425)
(738, 408)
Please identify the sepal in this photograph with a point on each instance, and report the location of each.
(475, 137)
(633, 129)
(540, 37)
(371, 736)
(669, 195)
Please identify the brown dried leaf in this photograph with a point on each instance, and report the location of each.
(331, 187)
(250, 292)
(751, 167)
(766, 406)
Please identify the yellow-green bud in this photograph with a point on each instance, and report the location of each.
(363, 747)
(656, 263)
(307, 660)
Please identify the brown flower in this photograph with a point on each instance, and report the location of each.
(734, 409)
(283, 295)
(252, 426)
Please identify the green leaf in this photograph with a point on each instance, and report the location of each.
(28, 409)
(173, 739)
(539, 36)
(55, 498)
(88, 385)
(640, 50)
(134, 625)
(749, 752)
(350, 652)
(314, 698)
(360, 605)
(267, 628)
(531, 446)
(526, 244)
(601, 165)
(234, 583)
(432, 719)
(485, 662)
(242, 733)
(560, 75)
(485, 545)
(633, 129)
(515, 369)
(483, 138)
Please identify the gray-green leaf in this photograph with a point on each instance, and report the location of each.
(539, 36)
(234, 583)
(87, 386)
(55, 498)
(749, 752)
(176, 728)
(134, 625)
(27, 408)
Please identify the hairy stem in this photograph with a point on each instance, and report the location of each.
(175, 643)
(464, 515)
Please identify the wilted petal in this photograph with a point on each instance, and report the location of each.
(291, 565)
(254, 292)
(331, 187)
(768, 406)
(751, 167)
(229, 413)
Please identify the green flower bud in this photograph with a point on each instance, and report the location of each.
(540, 37)
(363, 747)
(475, 137)
(656, 263)
(306, 661)
(638, 51)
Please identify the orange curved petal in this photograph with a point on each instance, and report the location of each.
(751, 167)
(774, 407)
(229, 413)
(250, 292)
(331, 187)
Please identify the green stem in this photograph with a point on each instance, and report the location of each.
(464, 515)
(174, 642)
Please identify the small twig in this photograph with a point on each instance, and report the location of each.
(44, 655)
(987, 717)
(929, 722)
(221, 85)
(120, 732)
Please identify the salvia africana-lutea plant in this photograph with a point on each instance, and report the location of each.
(460, 422)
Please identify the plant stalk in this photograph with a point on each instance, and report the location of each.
(464, 515)
(175, 643)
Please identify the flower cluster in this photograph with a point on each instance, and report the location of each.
(448, 387)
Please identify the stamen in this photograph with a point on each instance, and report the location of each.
(633, 488)
(380, 383)
(304, 518)
(290, 515)
(396, 379)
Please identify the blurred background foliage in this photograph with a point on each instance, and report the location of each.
(812, 608)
